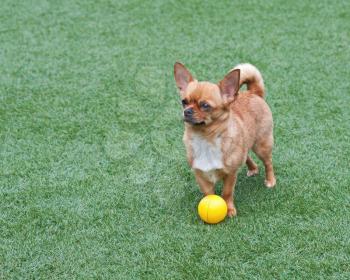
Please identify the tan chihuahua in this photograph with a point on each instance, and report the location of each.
(222, 125)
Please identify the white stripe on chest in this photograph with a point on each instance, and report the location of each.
(207, 156)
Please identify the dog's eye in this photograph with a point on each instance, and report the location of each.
(184, 102)
(204, 106)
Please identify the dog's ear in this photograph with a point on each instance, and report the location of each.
(229, 85)
(182, 76)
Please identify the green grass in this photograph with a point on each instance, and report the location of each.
(93, 177)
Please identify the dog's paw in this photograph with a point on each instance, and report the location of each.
(270, 183)
(252, 172)
(231, 212)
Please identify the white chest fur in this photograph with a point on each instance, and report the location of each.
(207, 156)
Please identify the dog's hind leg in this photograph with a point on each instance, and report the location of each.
(252, 167)
(263, 150)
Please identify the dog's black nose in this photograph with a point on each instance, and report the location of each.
(188, 112)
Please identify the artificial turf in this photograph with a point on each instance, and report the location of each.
(93, 177)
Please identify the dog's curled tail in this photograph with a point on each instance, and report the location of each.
(251, 76)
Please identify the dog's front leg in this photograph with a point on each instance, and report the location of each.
(227, 193)
(206, 186)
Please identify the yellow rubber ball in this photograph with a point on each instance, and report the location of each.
(212, 209)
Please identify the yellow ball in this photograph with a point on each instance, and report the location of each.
(212, 209)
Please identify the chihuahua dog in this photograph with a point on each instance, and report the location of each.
(222, 124)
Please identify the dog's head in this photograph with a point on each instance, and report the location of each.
(205, 102)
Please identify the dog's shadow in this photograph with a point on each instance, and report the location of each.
(250, 192)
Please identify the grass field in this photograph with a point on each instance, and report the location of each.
(93, 177)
